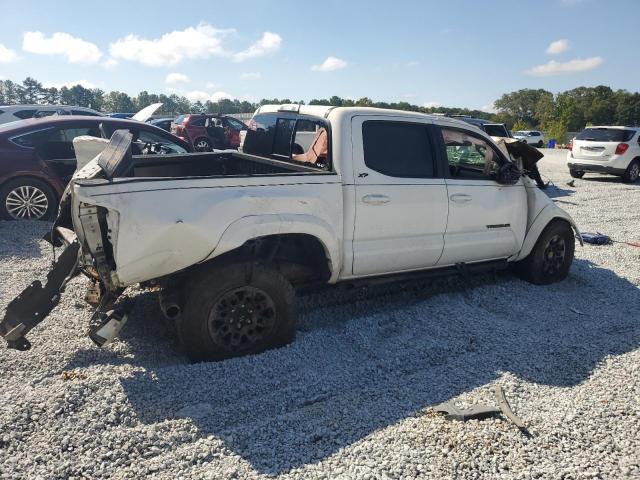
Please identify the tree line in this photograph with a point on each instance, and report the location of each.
(568, 111)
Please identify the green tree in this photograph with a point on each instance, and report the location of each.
(32, 91)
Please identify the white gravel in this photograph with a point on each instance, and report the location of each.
(350, 398)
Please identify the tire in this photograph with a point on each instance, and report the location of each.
(202, 144)
(632, 173)
(576, 173)
(540, 144)
(539, 267)
(227, 305)
(27, 199)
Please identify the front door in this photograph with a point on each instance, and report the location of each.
(401, 198)
(487, 220)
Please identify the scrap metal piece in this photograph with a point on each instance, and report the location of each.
(505, 408)
(476, 411)
(36, 301)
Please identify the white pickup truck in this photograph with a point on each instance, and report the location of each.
(228, 236)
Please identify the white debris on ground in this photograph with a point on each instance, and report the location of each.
(350, 397)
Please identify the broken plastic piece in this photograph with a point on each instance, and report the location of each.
(596, 238)
(482, 411)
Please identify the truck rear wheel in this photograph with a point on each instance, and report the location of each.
(236, 310)
(551, 257)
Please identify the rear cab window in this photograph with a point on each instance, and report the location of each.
(606, 135)
(25, 113)
(289, 137)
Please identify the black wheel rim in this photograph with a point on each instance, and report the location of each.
(554, 254)
(241, 319)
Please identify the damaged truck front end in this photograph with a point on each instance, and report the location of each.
(83, 232)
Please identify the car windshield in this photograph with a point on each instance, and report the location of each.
(606, 135)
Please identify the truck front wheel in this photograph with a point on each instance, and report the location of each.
(236, 310)
(551, 257)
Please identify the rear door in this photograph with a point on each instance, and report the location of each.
(487, 220)
(401, 199)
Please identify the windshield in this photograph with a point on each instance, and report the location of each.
(521, 133)
(606, 135)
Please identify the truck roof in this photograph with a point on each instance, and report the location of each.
(323, 111)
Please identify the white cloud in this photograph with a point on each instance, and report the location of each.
(171, 48)
(431, 104)
(7, 55)
(200, 96)
(329, 65)
(560, 68)
(211, 85)
(268, 43)
(174, 78)
(75, 49)
(217, 96)
(558, 46)
(110, 63)
(250, 76)
(489, 107)
(82, 83)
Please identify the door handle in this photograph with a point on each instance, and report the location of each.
(376, 199)
(460, 198)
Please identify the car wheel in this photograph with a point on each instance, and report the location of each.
(551, 257)
(632, 173)
(576, 173)
(27, 199)
(540, 144)
(202, 145)
(237, 310)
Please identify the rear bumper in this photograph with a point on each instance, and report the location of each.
(595, 167)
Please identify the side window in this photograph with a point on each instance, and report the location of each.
(470, 157)
(68, 134)
(398, 149)
(283, 136)
(198, 122)
(25, 113)
(150, 137)
(84, 113)
(235, 124)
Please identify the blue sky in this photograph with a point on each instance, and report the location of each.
(453, 53)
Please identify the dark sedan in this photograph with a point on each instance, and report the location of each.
(37, 158)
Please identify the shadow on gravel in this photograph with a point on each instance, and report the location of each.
(21, 239)
(365, 360)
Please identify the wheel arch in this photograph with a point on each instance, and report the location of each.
(307, 228)
(56, 189)
(547, 215)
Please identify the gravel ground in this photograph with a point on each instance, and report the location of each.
(351, 397)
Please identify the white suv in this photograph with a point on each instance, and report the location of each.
(12, 113)
(532, 137)
(613, 150)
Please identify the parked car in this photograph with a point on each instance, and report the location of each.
(37, 158)
(12, 113)
(532, 137)
(206, 132)
(613, 150)
(321, 195)
(163, 123)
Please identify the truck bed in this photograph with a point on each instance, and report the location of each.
(212, 164)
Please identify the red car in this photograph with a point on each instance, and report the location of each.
(206, 132)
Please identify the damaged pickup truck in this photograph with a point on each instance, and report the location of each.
(316, 195)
